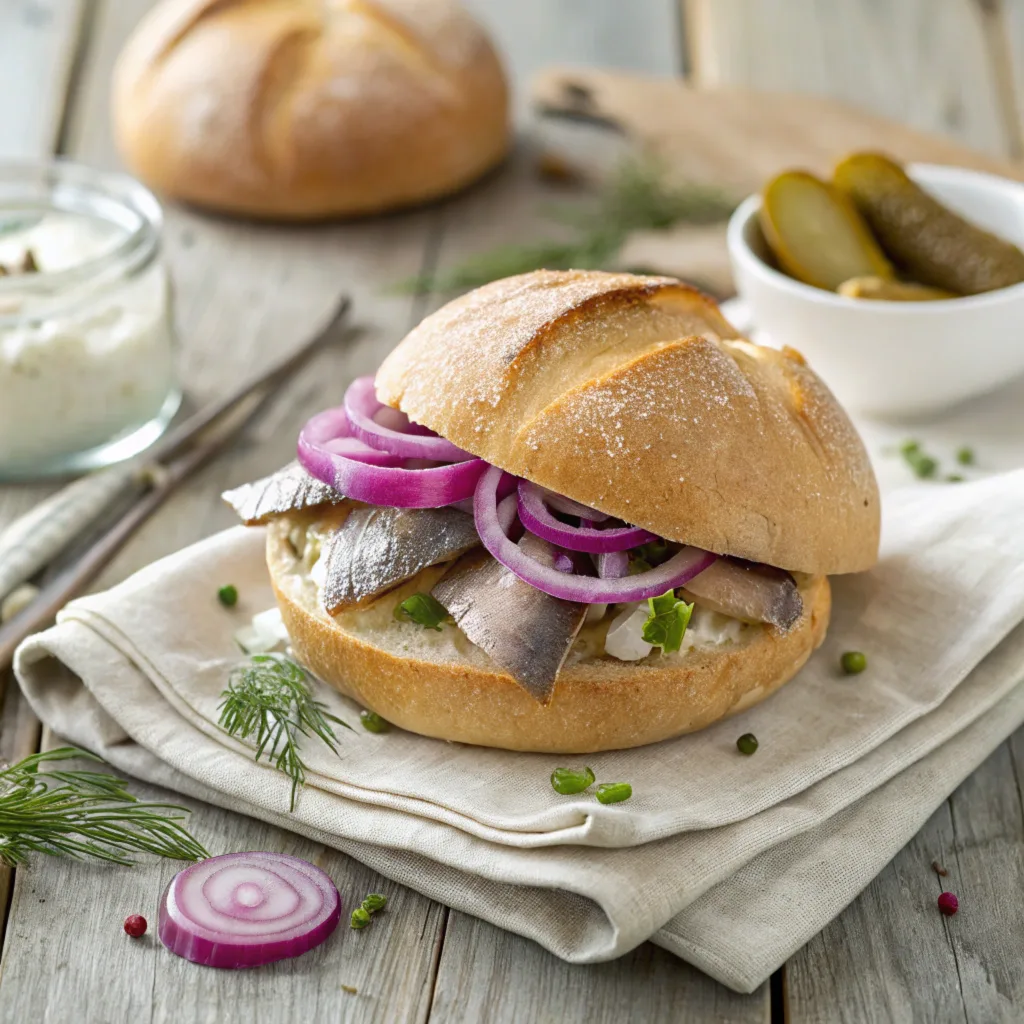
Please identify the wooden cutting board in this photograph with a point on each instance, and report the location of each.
(737, 137)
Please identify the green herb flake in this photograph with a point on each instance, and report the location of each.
(424, 610)
(853, 662)
(567, 782)
(954, 478)
(372, 722)
(747, 744)
(922, 464)
(666, 624)
(374, 902)
(360, 918)
(614, 792)
(965, 456)
(228, 595)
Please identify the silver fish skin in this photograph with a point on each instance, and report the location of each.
(377, 547)
(33, 540)
(746, 591)
(287, 490)
(526, 632)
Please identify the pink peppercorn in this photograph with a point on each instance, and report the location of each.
(949, 904)
(135, 925)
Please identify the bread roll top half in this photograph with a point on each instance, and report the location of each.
(635, 396)
(309, 108)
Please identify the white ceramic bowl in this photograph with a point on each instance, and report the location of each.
(895, 358)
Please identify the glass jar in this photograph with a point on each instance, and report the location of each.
(87, 347)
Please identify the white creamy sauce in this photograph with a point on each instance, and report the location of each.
(80, 373)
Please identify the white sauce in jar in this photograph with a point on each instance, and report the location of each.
(79, 373)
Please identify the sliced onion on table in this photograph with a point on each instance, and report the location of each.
(535, 516)
(680, 568)
(247, 909)
(362, 406)
(325, 451)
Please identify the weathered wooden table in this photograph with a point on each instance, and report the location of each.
(246, 292)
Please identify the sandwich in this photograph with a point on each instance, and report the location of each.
(573, 511)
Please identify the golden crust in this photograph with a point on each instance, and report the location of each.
(635, 396)
(598, 704)
(299, 109)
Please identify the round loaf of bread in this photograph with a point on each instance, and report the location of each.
(635, 396)
(441, 685)
(301, 109)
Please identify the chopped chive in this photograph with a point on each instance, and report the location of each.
(372, 722)
(965, 456)
(360, 918)
(922, 464)
(228, 595)
(614, 792)
(567, 782)
(954, 478)
(374, 902)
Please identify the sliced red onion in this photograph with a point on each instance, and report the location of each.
(563, 561)
(247, 909)
(353, 448)
(380, 485)
(568, 507)
(613, 565)
(680, 568)
(361, 406)
(538, 520)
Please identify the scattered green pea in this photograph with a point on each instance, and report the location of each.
(965, 456)
(360, 918)
(228, 595)
(372, 722)
(374, 902)
(613, 792)
(566, 781)
(853, 662)
(747, 744)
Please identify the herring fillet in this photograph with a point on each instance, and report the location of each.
(749, 592)
(377, 547)
(287, 490)
(526, 632)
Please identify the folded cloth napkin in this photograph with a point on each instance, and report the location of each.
(711, 841)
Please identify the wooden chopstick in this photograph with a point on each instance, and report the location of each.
(208, 441)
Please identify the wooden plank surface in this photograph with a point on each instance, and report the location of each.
(490, 975)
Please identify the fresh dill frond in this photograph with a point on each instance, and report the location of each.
(639, 196)
(269, 698)
(84, 814)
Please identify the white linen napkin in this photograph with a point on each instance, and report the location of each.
(710, 836)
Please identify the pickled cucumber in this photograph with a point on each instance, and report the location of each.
(928, 242)
(816, 233)
(891, 291)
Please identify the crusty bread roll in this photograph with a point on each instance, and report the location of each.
(633, 395)
(299, 109)
(439, 684)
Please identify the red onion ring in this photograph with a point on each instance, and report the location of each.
(361, 406)
(538, 520)
(568, 507)
(677, 571)
(380, 485)
(247, 909)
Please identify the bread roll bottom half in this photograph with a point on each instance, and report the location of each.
(439, 684)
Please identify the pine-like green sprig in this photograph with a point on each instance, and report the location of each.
(269, 698)
(84, 814)
(638, 197)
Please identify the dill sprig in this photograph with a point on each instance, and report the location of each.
(269, 697)
(637, 197)
(84, 814)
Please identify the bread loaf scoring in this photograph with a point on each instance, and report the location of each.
(300, 109)
(635, 396)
